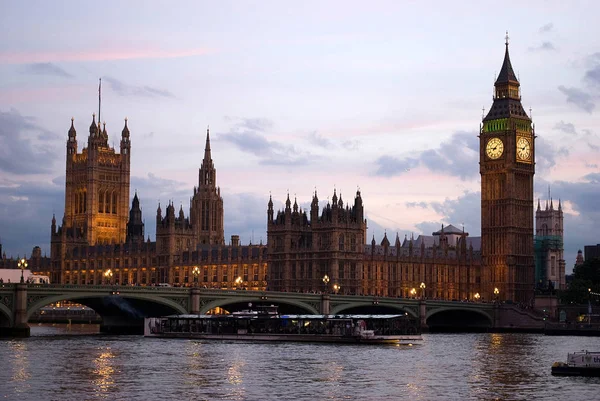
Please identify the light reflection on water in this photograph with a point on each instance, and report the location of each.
(56, 363)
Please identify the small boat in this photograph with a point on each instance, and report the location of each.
(270, 326)
(583, 363)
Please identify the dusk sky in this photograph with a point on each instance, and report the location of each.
(385, 96)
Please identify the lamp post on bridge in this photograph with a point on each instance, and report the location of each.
(336, 288)
(496, 292)
(108, 276)
(477, 296)
(413, 292)
(22, 265)
(195, 272)
(423, 286)
(326, 282)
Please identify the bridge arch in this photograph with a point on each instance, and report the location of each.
(340, 308)
(223, 302)
(6, 316)
(458, 318)
(84, 299)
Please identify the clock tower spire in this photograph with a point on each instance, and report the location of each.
(507, 168)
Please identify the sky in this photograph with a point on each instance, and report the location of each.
(385, 96)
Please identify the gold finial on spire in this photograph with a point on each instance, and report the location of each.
(506, 38)
(72, 119)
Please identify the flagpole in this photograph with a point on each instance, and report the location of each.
(99, 99)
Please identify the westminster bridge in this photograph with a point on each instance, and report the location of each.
(123, 308)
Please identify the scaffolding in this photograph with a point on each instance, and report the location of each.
(543, 244)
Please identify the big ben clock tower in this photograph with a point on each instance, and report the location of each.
(507, 166)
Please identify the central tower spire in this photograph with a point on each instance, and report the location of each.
(206, 210)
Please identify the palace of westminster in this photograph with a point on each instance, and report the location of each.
(101, 239)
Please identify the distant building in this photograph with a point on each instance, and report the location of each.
(579, 260)
(549, 252)
(591, 252)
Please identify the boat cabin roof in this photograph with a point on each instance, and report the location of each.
(294, 317)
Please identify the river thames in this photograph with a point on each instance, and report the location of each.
(76, 364)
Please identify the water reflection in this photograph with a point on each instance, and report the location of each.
(20, 366)
(104, 371)
(445, 367)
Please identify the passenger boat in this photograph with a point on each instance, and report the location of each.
(583, 363)
(271, 326)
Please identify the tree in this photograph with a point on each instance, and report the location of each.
(586, 277)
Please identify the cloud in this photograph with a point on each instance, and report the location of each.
(246, 216)
(546, 154)
(592, 76)
(25, 147)
(547, 28)
(422, 205)
(579, 98)
(457, 156)
(320, 140)
(545, 46)
(45, 69)
(247, 135)
(136, 51)
(26, 209)
(123, 89)
(567, 128)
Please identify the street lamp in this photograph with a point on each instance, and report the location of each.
(108, 275)
(496, 292)
(413, 292)
(238, 281)
(22, 265)
(423, 286)
(336, 288)
(477, 296)
(326, 281)
(195, 272)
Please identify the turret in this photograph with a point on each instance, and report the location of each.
(314, 209)
(72, 139)
(270, 210)
(135, 225)
(158, 214)
(358, 207)
(125, 141)
(53, 227)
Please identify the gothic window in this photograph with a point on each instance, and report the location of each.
(100, 201)
(107, 198)
(552, 265)
(114, 203)
(255, 268)
(84, 201)
(341, 242)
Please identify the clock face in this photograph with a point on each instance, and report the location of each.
(494, 148)
(523, 149)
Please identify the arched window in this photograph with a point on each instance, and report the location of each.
(100, 201)
(341, 242)
(107, 201)
(84, 201)
(114, 202)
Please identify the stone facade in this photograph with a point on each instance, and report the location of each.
(89, 252)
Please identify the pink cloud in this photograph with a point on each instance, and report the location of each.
(98, 55)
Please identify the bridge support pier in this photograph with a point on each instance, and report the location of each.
(20, 327)
(325, 304)
(423, 316)
(195, 301)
